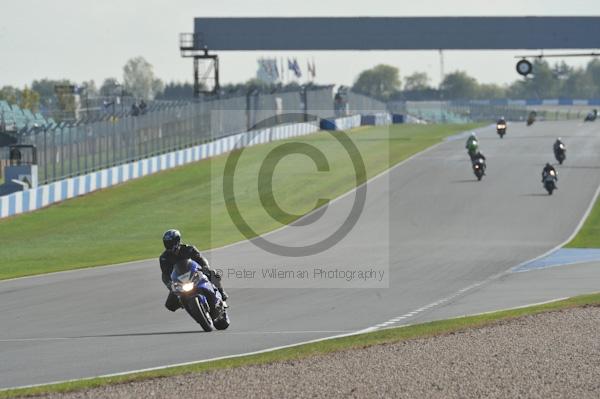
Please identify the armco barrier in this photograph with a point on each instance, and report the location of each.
(535, 101)
(345, 123)
(398, 118)
(376, 119)
(39, 197)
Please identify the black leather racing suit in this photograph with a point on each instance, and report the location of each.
(479, 157)
(168, 259)
(556, 146)
(547, 170)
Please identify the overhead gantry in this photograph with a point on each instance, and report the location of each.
(388, 33)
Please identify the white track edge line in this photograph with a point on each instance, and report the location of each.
(571, 237)
(264, 350)
(483, 313)
(192, 362)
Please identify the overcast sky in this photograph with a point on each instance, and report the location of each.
(85, 39)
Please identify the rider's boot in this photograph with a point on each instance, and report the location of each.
(223, 294)
(216, 280)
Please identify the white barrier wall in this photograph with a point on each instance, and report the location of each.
(347, 123)
(376, 119)
(383, 119)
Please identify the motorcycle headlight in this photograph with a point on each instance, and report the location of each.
(186, 287)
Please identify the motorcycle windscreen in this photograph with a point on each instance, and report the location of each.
(183, 271)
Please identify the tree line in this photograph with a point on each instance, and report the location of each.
(138, 83)
(382, 82)
(547, 81)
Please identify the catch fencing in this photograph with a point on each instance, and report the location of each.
(358, 103)
(481, 111)
(47, 194)
(67, 150)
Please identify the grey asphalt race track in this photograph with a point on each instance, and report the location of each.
(440, 230)
(515, 289)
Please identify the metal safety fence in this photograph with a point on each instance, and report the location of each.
(67, 150)
(480, 111)
(358, 103)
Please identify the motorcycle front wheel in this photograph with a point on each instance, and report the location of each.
(198, 312)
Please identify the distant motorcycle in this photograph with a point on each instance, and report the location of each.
(192, 287)
(501, 129)
(531, 118)
(550, 182)
(592, 116)
(560, 153)
(479, 168)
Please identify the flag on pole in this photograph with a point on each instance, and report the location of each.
(295, 67)
(268, 70)
(272, 68)
(290, 67)
(311, 69)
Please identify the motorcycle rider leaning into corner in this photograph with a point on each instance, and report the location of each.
(477, 158)
(547, 169)
(470, 140)
(472, 145)
(174, 252)
(557, 144)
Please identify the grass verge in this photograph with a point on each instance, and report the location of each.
(589, 235)
(126, 222)
(387, 336)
